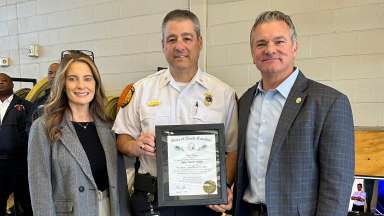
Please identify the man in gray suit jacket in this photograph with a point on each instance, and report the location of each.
(296, 136)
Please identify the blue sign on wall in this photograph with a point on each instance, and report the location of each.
(380, 197)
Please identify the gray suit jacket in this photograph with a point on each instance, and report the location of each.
(311, 164)
(60, 176)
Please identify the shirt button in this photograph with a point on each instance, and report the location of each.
(81, 189)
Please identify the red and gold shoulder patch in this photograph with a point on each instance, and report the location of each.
(125, 96)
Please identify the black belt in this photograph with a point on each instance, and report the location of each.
(256, 209)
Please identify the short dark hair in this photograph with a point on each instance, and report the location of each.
(268, 16)
(360, 184)
(181, 15)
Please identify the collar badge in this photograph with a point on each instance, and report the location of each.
(208, 99)
(298, 100)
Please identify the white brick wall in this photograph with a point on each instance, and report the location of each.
(339, 41)
(339, 45)
(124, 34)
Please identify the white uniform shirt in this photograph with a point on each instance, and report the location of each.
(159, 100)
(4, 106)
(360, 194)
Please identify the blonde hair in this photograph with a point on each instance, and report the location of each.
(57, 103)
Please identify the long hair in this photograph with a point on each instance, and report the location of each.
(57, 103)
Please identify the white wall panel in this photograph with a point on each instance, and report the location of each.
(339, 45)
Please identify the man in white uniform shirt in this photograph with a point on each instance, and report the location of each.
(358, 198)
(181, 94)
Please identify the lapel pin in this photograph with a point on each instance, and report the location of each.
(298, 100)
(208, 99)
(153, 103)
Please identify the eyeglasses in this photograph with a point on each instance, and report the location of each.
(77, 52)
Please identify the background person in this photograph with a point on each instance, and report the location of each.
(74, 167)
(38, 104)
(358, 198)
(15, 120)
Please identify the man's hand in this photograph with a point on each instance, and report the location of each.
(222, 207)
(143, 145)
(146, 144)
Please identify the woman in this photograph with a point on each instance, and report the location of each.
(73, 165)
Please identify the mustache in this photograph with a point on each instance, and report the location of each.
(267, 58)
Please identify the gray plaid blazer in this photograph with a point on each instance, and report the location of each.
(60, 176)
(311, 165)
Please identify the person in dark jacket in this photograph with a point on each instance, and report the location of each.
(15, 120)
(296, 136)
(38, 104)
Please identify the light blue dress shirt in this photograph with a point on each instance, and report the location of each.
(263, 118)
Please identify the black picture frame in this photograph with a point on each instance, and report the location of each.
(162, 134)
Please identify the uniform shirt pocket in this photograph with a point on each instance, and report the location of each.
(204, 115)
(147, 121)
(150, 118)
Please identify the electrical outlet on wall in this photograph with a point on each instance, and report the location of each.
(33, 50)
(4, 61)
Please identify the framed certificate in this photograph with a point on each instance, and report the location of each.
(191, 164)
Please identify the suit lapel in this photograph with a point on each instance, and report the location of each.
(72, 143)
(109, 146)
(244, 110)
(109, 149)
(293, 104)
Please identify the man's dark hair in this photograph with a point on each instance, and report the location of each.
(181, 15)
(268, 16)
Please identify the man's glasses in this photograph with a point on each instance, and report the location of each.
(77, 52)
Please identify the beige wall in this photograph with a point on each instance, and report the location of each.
(124, 34)
(340, 45)
(340, 41)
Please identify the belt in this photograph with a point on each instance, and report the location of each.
(256, 209)
(258, 206)
(102, 194)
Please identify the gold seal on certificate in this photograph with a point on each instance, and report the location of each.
(209, 186)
